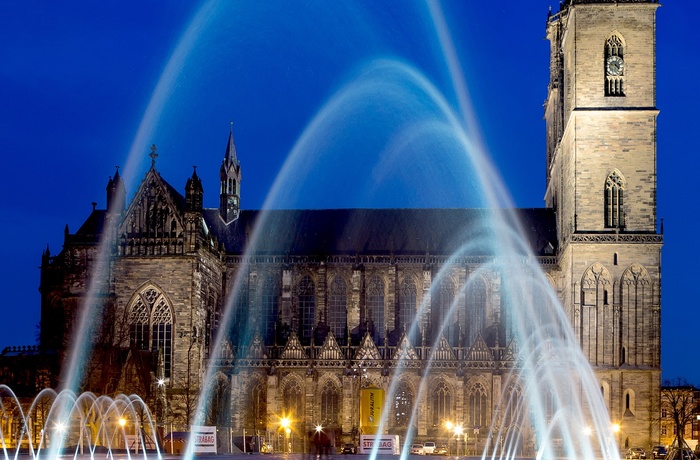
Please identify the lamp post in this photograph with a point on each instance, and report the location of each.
(458, 432)
(615, 428)
(285, 425)
(448, 426)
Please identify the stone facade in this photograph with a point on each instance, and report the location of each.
(610, 267)
(313, 308)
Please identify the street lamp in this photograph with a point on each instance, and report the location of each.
(458, 432)
(285, 423)
(449, 427)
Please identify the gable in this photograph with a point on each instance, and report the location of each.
(155, 212)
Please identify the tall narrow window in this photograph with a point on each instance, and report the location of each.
(375, 308)
(403, 405)
(440, 311)
(330, 404)
(478, 406)
(270, 306)
(150, 325)
(476, 309)
(441, 404)
(614, 67)
(307, 307)
(292, 401)
(614, 191)
(407, 305)
(337, 309)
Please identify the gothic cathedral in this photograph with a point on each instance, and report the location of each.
(321, 312)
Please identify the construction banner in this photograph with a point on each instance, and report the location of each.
(371, 402)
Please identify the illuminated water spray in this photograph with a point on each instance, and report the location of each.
(552, 376)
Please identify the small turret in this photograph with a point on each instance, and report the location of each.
(194, 193)
(116, 194)
(230, 180)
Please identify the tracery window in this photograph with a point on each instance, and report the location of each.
(330, 404)
(441, 310)
(337, 309)
(292, 401)
(476, 309)
(407, 304)
(614, 191)
(403, 405)
(635, 321)
(307, 307)
(441, 404)
(478, 406)
(375, 307)
(150, 325)
(270, 308)
(513, 407)
(614, 66)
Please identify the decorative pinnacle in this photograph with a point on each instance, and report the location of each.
(153, 155)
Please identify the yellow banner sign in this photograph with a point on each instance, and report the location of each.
(371, 402)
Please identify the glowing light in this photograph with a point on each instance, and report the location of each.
(449, 426)
(122, 421)
(319, 428)
(615, 427)
(284, 422)
(160, 382)
(587, 431)
(60, 427)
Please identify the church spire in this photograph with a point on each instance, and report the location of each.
(230, 180)
(230, 157)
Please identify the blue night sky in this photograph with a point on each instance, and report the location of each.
(87, 86)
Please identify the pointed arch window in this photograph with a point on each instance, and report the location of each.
(614, 194)
(442, 404)
(292, 401)
(256, 413)
(476, 309)
(407, 305)
(330, 404)
(441, 310)
(514, 408)
(375, 308)
(337, 309)
(614, 66)
(403, 405)
(270, 308)
(478, 406)
(150, 325)
(634, 321)
(307, 307)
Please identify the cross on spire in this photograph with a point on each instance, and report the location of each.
(153, 155)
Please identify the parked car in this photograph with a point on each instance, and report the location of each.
(417, 449)
(349, 449)
(659, 452)
(636, 452)
(680, 454)
(428, 447)
(442, 450)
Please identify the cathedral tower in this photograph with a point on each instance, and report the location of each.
(601, 181)
(230, 180)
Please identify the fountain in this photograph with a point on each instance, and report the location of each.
(64, 423)
(548, 397)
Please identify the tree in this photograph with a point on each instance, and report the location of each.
(678, 397)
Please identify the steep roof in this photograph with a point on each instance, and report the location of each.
(374, 231)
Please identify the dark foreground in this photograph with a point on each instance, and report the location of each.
(242, 456)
